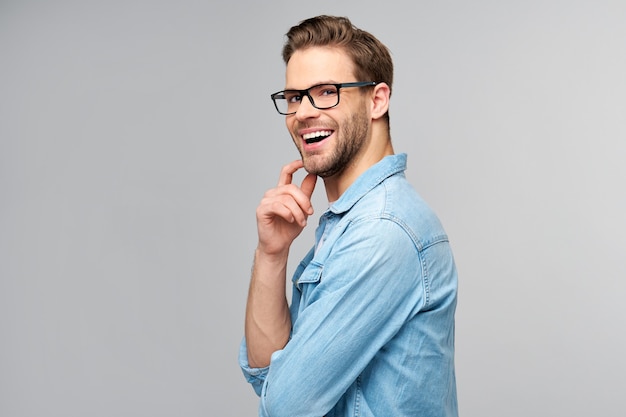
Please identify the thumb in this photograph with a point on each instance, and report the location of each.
(308, 184)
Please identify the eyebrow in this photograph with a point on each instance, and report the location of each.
(312, 85)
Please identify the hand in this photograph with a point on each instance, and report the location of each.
(283, 211)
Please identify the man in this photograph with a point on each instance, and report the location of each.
(370, 330)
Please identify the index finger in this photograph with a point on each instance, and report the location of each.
(286, 174)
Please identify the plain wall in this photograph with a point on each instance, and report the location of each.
(137, 137)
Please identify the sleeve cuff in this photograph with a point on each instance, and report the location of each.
(255, 376)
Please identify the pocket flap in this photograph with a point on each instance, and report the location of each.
(311, 274)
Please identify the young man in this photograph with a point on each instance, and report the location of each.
(370, 330)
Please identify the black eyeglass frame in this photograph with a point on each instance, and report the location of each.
(302, 93)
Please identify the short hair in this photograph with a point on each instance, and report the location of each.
(371, 58)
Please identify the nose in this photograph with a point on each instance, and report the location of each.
(306, 109)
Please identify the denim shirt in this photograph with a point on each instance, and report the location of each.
(372, 311)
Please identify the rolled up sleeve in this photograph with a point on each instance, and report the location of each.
(255, 376)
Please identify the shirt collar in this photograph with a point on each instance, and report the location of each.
(377, 173)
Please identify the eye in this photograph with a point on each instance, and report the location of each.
(324, 90)
(328, 91)
(293, 96)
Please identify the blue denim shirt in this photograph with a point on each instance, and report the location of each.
(372, 311)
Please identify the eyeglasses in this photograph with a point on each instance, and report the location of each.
(321, 96)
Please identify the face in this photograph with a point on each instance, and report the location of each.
(328, 140)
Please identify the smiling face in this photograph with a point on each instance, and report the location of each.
(329, 141)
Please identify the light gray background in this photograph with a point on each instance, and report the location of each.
(137, 137)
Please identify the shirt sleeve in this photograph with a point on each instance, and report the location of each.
(369, 285)
(255, 376)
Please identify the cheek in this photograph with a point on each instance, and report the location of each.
(293, 136)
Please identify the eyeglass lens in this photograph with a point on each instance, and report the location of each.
(323, 97)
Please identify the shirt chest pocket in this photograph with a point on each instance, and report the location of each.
(310, 278)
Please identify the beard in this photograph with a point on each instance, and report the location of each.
(350, 138)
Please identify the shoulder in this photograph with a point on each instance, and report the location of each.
(396, 202)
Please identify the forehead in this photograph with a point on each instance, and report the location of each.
(318, 65)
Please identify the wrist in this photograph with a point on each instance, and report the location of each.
(270, 256)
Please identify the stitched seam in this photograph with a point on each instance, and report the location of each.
(357, 399)
(426, 281)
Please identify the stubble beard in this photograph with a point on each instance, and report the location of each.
(350, 139)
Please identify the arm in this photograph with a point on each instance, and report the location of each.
(281, 217)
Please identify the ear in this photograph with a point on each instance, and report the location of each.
(380, 100)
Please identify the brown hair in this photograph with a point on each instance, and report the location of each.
(371, 58)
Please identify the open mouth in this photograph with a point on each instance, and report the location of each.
(315, 137)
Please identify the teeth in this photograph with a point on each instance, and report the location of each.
(317, 134)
